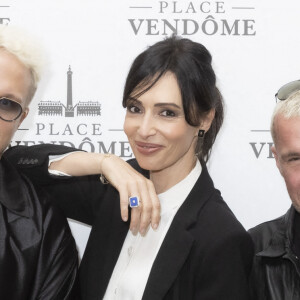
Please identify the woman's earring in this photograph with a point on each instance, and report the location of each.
(201, 133)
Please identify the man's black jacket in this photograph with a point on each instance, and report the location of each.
(38, 257)
(276, 270)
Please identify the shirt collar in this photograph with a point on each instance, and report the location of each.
(14, 192)
(175, 196)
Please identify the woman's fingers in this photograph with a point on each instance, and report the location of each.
(146, 207)
(135, 220)
(155, 214)
(148, 211)
(133, 191)
(124, 203)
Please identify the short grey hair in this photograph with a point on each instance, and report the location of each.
(288, 108)
(26, 50)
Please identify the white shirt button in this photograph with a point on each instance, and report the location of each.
(129, 251)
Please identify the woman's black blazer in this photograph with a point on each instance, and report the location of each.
(205, 255)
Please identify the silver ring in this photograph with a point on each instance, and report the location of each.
(134, 201)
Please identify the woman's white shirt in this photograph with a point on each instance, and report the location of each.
(53, 158)
(138, 253)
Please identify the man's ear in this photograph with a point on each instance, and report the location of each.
(274, 151)
(207, 120)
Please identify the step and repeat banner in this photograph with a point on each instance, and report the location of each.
(90, 46)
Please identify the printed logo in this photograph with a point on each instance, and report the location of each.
(188, 18)
(262, 148)
(56, 108)
(82, 128)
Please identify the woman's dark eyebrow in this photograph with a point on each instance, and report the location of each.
(160, 104)
(132, 99)
(167, 104)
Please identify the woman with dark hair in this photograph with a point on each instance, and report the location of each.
(199, 250)
(190, 63)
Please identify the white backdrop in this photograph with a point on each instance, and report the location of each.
(255, 48)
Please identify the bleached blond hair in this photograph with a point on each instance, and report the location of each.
(27, 50)
(288, 108)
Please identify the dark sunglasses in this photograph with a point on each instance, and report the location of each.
(10, 110)
(286, 90)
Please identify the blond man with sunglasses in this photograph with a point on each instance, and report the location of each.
(276, 268)
(38, 256)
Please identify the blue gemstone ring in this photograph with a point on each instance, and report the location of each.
(134, 201)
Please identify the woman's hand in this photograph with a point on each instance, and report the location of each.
(130, 183)
(124, 178)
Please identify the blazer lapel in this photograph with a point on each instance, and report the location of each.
(178, 241)
(102, 252)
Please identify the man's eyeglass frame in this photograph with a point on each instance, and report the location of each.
(19, 113)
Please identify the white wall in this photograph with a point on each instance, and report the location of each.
(97, 39)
